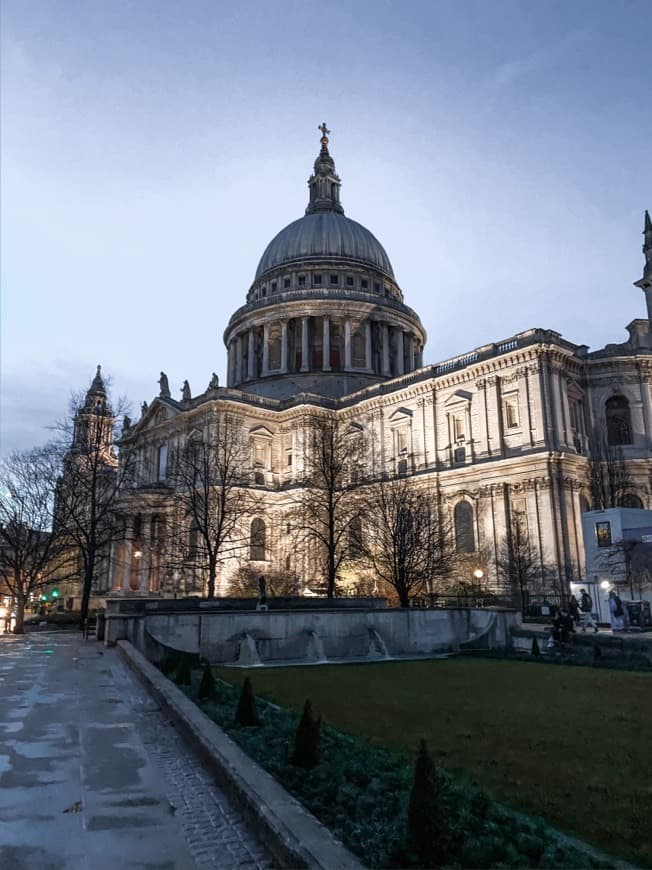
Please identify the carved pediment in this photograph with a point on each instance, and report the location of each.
(458, 397)
(261, 432)
(401, 415)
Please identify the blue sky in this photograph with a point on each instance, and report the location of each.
(499, 150)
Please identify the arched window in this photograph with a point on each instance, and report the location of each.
(618, 419)
(629, 500)
(257, 540)
(464, 534)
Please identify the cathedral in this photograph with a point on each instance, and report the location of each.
(501, 431)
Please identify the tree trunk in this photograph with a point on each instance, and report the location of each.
(20, 616)
(403, 597)
(211, 578)
(330, 592)
(88, 583)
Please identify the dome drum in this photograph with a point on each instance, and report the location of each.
(325, 339)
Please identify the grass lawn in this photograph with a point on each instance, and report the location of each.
(570, 744)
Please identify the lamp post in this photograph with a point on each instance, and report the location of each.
(478, 574)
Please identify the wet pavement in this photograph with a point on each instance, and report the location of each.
(92, 775)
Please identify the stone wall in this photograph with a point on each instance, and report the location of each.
(269, 637)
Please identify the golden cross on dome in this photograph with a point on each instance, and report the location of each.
(324, 135)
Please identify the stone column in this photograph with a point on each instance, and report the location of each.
(367, 346)
(146, 560)
(386, 370)
(305, 350)
(128, 553)
(265, 349)
(644, 374)
(400, 367)
(410, 339)
(250, 356)
(347, 345)
(284, 346)
(326, 346)
(115, 573)
(238, 361)
(229, 364)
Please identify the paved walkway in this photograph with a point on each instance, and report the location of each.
(92, 775)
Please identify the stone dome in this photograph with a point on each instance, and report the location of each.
(324, 235)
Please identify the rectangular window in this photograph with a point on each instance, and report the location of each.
(302, 280)
(274, 285)
(459, 454)
(333, 279)
(376, 286)
(289, 459)
(603, 534)
(162, 462)
(316, 280)
(458, 427)
(364, 283)
(286, 282)
(401, 441)
(511, 413)
(349, 281)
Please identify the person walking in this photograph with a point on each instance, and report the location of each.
(616, 612)
(574, 611)
(586, 608)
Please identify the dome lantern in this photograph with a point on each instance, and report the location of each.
(324, 183)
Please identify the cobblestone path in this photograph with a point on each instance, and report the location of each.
(93, 775)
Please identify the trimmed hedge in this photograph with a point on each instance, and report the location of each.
(361, 791)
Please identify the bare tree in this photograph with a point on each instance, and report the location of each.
(407, 540)
(90, 482)
(32, 555)
(518, 561)
(609, 476)
(327, 503)
(212, 496)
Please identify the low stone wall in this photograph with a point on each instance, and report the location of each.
(291, 833)
(277, 636)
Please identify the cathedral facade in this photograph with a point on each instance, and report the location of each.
(502, 431)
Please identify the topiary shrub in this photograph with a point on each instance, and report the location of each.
(183, 675)
(246, 714)
(207, 686)
(427, 831)
(307, 739)
(536, 652)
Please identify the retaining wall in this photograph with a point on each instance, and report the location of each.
(275, 636)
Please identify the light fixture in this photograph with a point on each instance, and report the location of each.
(138, 554)
(478, 573)
(605, 584)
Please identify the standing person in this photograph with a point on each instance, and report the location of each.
(616, 612)
(574, 611)
(586, 608)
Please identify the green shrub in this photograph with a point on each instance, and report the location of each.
(360, 791)
(183, 675)
(246, 714)
(207, 686)
(307, 739)
(427, 828)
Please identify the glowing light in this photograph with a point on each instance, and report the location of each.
(478, 574)
(605, 584)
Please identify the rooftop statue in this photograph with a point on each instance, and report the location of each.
(164, 385)
(185, 392)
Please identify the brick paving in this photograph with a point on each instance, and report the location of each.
(78, 728)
